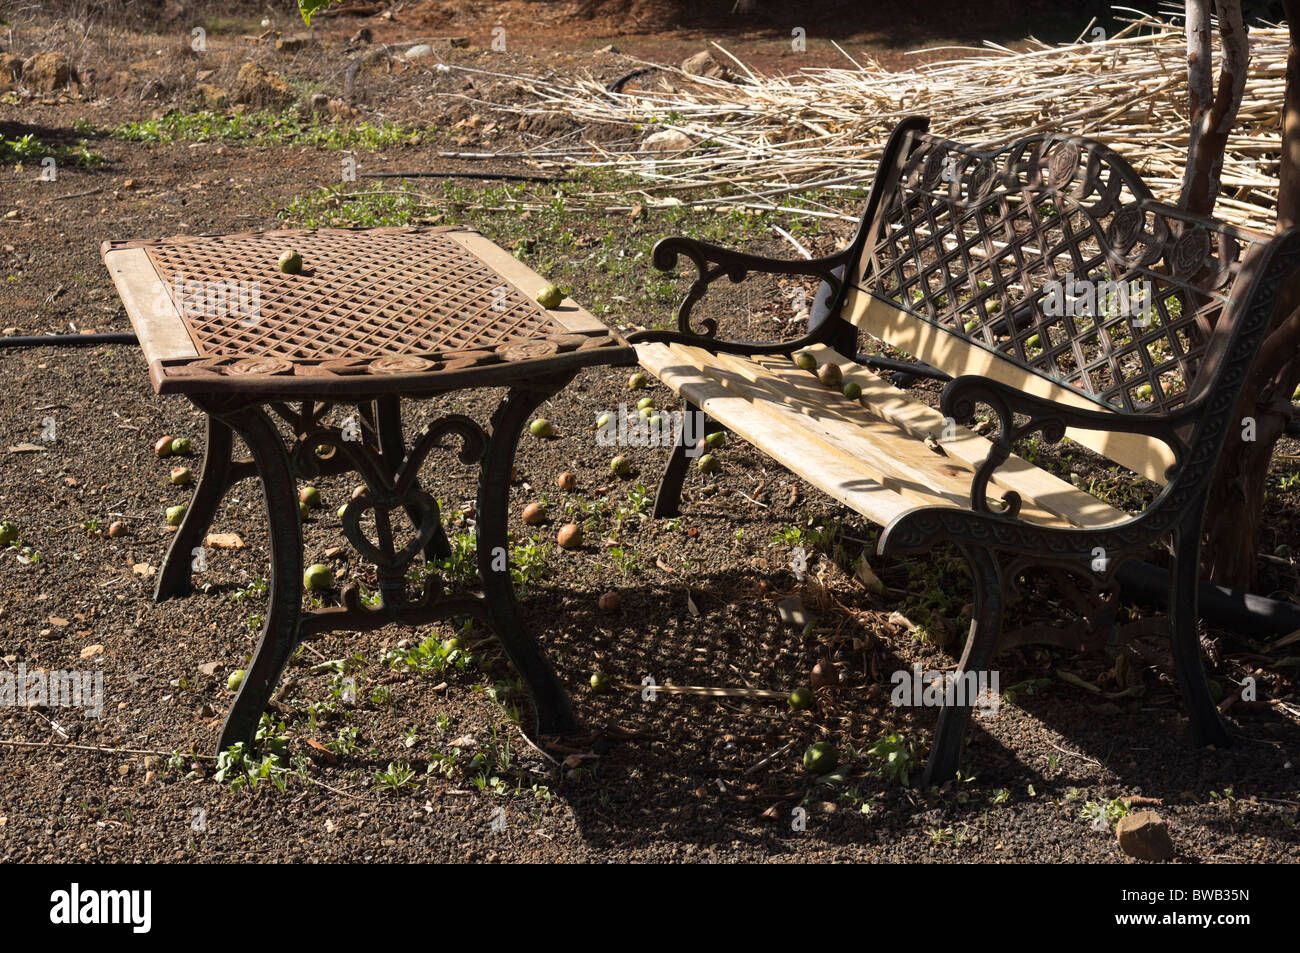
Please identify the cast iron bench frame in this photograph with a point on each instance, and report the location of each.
(941, 214)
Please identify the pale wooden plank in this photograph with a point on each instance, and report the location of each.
(568, 314)
(894, 457)
(956, 356)
(777, 433)
(919, 420)
(157, 322)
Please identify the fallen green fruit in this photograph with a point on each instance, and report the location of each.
(852, 390)
(550, 297)
(8, 532)
(174, 515)
(541, 427)
(707, 463)
(310, 495)
(318, 577)
(637, 381)
(620, 465)
(304, 511)
(181, 447)
(341, 509)
(604, 420)
(645, 402)
(180, 476)
(716, 439)
(236, 679)
(830, 374)
(800, 699)
(600, 682)
(820, 758)
(291, 262)
(805, 359)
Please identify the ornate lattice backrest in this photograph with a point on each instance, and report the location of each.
(1052, 254)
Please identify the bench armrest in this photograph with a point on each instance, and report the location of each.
(713, 262)
(1050, 418)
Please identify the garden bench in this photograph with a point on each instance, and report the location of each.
(968, 261)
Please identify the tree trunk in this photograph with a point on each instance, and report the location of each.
(1212, 111)
(1236, 504)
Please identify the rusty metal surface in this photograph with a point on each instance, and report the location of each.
(974, 243)
(398, 303)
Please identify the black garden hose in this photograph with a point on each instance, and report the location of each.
(1242, 612)
(68, 340)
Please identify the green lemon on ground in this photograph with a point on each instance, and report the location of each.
(620, 465)
(805, 359)
(174, 515)
(820, 758)
(236, 679)
(600, 682)
(304, 510)
(541, 427)
(180, 476)
(604, 420)
(800, 699)
(645, 413)
(291, 262)
(181, 447)
(645, 403)
(550, 297)
(309, 495)
(708, 463)
(637, 381)
(852, 390)
(716, 439)
(8, 532)
(318, 577)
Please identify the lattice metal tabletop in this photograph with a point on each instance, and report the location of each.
(377, 310)
(371, 317)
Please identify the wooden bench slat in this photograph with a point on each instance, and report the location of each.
(777, 432)
(903, 462)
(921, 420)
(955, 356)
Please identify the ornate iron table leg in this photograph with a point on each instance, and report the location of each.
(174, 579)
(392, 448)
(950, 733)
(280, 630)
(554, 714)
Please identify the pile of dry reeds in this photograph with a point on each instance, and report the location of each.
(769, 142)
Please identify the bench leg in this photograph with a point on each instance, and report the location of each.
(950, 733)
(174, 579)
(284, 608)
(1207, 726)
(668, 498)
(554, 714)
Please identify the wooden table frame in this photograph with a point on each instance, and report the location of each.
(387, 463)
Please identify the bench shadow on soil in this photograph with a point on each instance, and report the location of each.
(687, 775)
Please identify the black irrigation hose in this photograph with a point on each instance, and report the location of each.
(506, 176)
(69, 340)
(1224, 608)
(618, 84)
(909, 369)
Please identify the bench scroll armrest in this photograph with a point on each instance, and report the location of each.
(713, 262)
(1050, 418)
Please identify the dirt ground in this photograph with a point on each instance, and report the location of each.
(676, 778)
